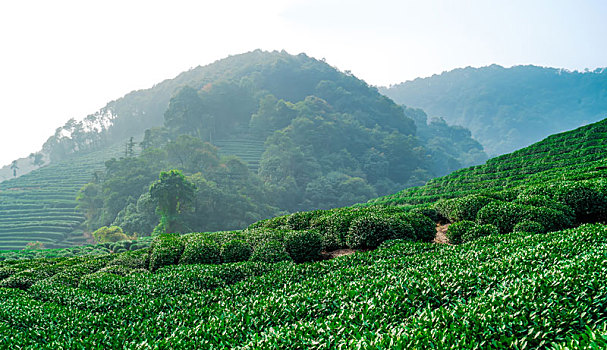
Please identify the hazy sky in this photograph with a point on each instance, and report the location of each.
(66, 59)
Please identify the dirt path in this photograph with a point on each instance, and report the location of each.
(337, 253)
(441, 234)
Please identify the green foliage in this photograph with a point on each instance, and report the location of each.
(458, 232)
(589, 204)
(431, 213)
(174, 194)
(371, 229)
(484, 284)
(462, 208)
(235, 250)
(529, 227)
(199, 249)
(303, 246)
(137, 259)
(166, 250)
(109, 234)
(270, 251)
(574, 156)
(424, 228)
(479, 231)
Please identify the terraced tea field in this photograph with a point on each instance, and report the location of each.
(41, 205)
(247, 149)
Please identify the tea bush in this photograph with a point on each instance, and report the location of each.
(200, 249)
(303, 246)
(270, 252)
(457, 231)
(235, 250)
(529, 227)
(166, 250)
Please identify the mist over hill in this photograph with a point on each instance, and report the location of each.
(509, 108)
(259, 133)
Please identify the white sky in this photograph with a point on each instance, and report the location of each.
(61, 59)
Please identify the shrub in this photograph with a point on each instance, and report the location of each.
(370, 230)
(431, 213)
(424, 229)
(589, 204)
(462, 208)
(117, 270)
(392, 242)
(260, 236)
(339, 222)
(551, 219)
(270, 252)
(502, 215)
(544, 201)
(303, 246)
(199, 249)
(301, 220)
(137, 259)
(275, 222)
(458, 230)
(479, 231)
(529, 226)
(235, 250)
(166, 250)
(330, 238)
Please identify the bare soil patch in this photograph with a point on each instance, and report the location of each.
(337, 253)
(441, 234)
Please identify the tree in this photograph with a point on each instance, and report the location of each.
(14, 168)
(129, 150)
(174, 194)
(34, 245)
(109, 234)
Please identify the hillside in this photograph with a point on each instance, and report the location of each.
(530, 273)
(573, 155)
(509, 108)
(309, 135)
(41, 205)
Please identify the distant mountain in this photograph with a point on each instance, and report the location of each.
(509, 108)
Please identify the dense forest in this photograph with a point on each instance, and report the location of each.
(509, 108)
(329, 140)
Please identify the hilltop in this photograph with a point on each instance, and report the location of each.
(509, 108)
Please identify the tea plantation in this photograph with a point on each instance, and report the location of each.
(574, 155)
(525, 268)
(41, 205)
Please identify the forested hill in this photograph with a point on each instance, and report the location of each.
(259, 134)
(509, 108)
(308, 136)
